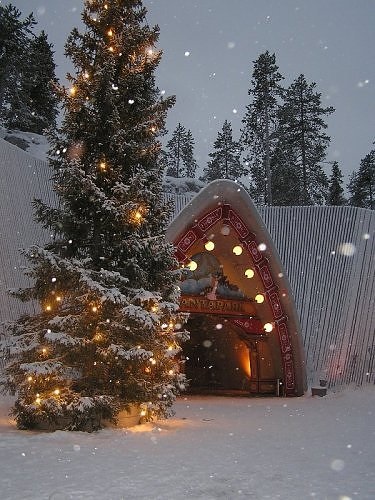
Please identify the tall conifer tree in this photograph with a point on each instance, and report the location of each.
(362, 183)
(260, 124)
(302, 141)
(179, 155)
(108, 330)
(14, 39)
(336, 190)
(225, 160)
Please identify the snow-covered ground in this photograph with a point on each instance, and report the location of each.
(214, 448)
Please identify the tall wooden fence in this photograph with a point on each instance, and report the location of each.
(328, 254)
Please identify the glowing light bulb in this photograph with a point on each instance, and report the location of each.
(192, 265)
(102, 166)
(56, 392)
(171, 372)
(110, 32)
(138, 215)
(249, 273)
(153, 361)
(73, 91)
(38, 400)
(259, 298)
(170, 348)
(48, 308)
(268, 327)
(154, 308)
(143, 413)
(209, 246)
(30, 379)
(58, 298)
(111, 49)
(237, 250)
(94, 309)
(44, 350)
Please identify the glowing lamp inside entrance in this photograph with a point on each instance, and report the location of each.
(259, 299)
(192, 265)
(249, 273)
(268, 327)
(209, 246)
(237, 250)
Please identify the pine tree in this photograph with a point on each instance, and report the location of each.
(190, 164)
(302, 141)
(260, 125)
(336, 190)
(362, 183)
(174, 152)
(225, 162)
(108, 330)
(14, 39)
(37, 89)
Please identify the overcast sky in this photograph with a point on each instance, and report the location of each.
(209, 47)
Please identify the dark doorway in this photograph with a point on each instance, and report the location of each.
(216, 359)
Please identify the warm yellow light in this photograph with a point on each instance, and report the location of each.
(170, 348)
(111, 49)
(103, 166)
(148, 369)
(94, 309)
(192, 265)
(152, 361)
(110, 32)
(138, 215)
(259, 298)
(171, 372)
(98, 336)
(249, 273)
(48, 308)
(73, 91)
(209, 246)
(56, 392)
(106, 6)
(30, 379)
(38, 400)
(86, 75)
(237, 250)
(153, 128)
(44, 350)
(143, 413)
(58, 298)
(154, 308)
(268, 327)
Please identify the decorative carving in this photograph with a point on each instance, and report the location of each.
(210, 219)
(238, 224)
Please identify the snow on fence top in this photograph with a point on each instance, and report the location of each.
(328, 253)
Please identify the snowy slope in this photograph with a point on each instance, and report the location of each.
(215, 448)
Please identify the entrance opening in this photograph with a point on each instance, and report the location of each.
(217, 361)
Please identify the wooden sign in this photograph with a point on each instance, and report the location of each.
(223, 307)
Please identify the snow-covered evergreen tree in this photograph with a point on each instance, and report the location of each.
(14, 39)
(225, 160)
(260, 125)
(108, 331)
(335, 188)
(362, 183)
(302, 141)
(37, 89)
(179, 154)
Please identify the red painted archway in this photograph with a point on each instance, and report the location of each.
(222, 204)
